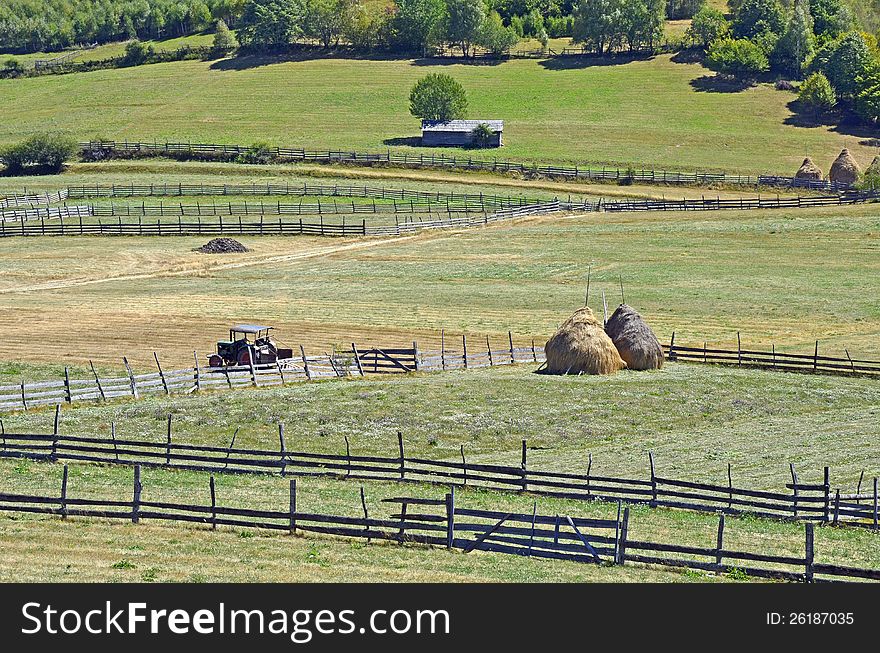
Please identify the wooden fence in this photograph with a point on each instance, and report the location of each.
(206, 150)
(743, 203)
(442, 522)
(799, 501)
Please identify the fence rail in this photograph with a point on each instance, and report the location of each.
(798, 501)
(106, 149)
(558, 537)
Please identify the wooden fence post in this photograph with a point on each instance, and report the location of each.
(55, 429)
(161, 374)
(463, 467)
(23, 391)
(416, 354)
(366, 514)
(67, 394)
(357, 359)
(134, 390)
(816, 357)
(730, 487)
(443, 350)
(671, 354)
(168, 442)
(875, 503)
(64, 494)
(653, 480)
(719, 543)
(198, 371)
(524, 469)
(510, 340)
(532, 534)
(624, 533)
(306, 362)
(837, 507)
(292, 509)
(136, 497)
(97, 381)
(464, 346)
(113, 436)
(400, 449)
(489, 350)
(213, 504)
(251, 364)
(450, 517)
(283, 449)
(739, 355)
(827, 494)
(534, 352)
(794, 485)
(810, 552)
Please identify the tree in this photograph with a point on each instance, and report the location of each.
(324, 20)
(867, 100)
(707, 26)
(831, 18)
(797, 45)
(137, 53)
(817, 94)
(224, 40)
(268, 24)
(738, 58)
(438, 97)
(597, 24)
(418, 24)
(494, 36)
(755, 17)
(641, 23)
(842, 61)
(683, 9)
(464, 21)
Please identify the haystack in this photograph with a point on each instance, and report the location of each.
(809, 171)
(845, 169)
(582, 346)
(635, 342)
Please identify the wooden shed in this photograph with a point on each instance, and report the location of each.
(436, 133)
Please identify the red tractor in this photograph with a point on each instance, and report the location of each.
(248, 343)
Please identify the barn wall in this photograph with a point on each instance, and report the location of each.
(453, 139)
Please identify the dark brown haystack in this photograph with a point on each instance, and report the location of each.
(581, 346)
(222, 246)
(845, 169)
(636, 343)
(809, 171)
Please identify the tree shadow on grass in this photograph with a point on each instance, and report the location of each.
(258, 60)
(452, 61)
(691, 55)
(720, 84)
(591, 60)
(841, 122)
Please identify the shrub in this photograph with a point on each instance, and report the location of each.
(258, 153)
(867, 101)
(494, 36)
(843, 61)
(137, 53)
(707, 26)
(738, 58)
(47, 152)
(754, 17)
(12, 68)
(438, 97)
(481, 136)
(817, 94)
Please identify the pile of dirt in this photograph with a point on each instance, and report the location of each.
(221, 246)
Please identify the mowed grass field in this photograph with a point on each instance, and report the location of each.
(779, 277)
(651, 113)
(695, 418)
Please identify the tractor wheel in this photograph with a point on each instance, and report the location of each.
(244, 357)
(215, 361)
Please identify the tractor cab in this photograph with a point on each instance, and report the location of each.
(248, 343)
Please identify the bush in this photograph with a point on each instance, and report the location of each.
(867, 102)
(481, 136)
(12, 68)
(137, 53)
(258, 153)
(817, 94)
(438, 97)
(46, 152)
(738, 58)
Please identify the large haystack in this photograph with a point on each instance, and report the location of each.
(635, 342)
(809, 171)
(845, 169)
(582, 346)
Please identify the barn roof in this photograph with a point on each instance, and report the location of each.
(460, 125)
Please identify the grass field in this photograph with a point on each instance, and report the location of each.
(42, 549)
(652, 113)
(783, 277)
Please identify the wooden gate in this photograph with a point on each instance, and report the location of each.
(388, 360)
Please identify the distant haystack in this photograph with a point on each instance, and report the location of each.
(845, 169)
(635, 342)
(809, 171)
(582, 346)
